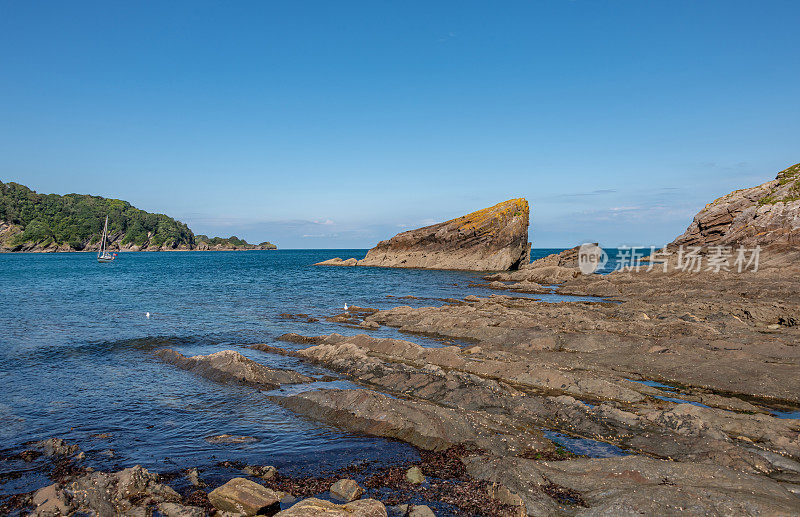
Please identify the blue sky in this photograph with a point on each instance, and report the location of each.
(337, 124)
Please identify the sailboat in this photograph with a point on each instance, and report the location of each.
(104, 255)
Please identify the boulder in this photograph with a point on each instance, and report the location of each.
(546, 275)
(506, 497)
(346, 490)
(313, 507)
(231, 366)
(567, 258)
(492, 239)
(240, 495)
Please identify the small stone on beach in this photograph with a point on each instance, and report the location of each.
(414, 476)
(346, 490)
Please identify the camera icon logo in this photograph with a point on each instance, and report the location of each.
(591, 257)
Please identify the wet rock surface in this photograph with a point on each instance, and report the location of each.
(424, 425)
(231, 366)
(230, 439)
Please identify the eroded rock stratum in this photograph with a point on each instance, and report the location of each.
(492, 239)
(767, 215)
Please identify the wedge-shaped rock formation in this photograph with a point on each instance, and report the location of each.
(767, 215)
(231, 366)
(492, 239)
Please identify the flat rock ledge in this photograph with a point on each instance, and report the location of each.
(492, 239)
(231, 366)
(424, 425)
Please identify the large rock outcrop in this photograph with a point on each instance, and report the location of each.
(492, 239)
(767, 215)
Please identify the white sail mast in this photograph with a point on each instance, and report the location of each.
(105, 232)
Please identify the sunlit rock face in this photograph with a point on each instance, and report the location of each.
(492, 239)
(767, 215)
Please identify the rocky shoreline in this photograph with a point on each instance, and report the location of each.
(687, 380)
(681, 373)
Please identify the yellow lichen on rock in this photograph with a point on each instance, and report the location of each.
(497, 213)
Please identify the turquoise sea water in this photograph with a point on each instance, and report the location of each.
(76, 352)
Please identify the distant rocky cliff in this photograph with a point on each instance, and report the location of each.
(492, 239)
(232, 243)
(767, 215)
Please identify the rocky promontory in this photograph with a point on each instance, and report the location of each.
(492, 239)
(767, 215)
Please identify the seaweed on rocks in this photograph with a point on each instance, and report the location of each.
(448, 483)
(563, 494)
(301, 486)
(14, 503)
(199, 498)
(65, 469)
(559, 454)
(447, 464)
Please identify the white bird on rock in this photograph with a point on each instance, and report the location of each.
(147, 315)
(345, 307)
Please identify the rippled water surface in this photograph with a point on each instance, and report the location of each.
(76, 351)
